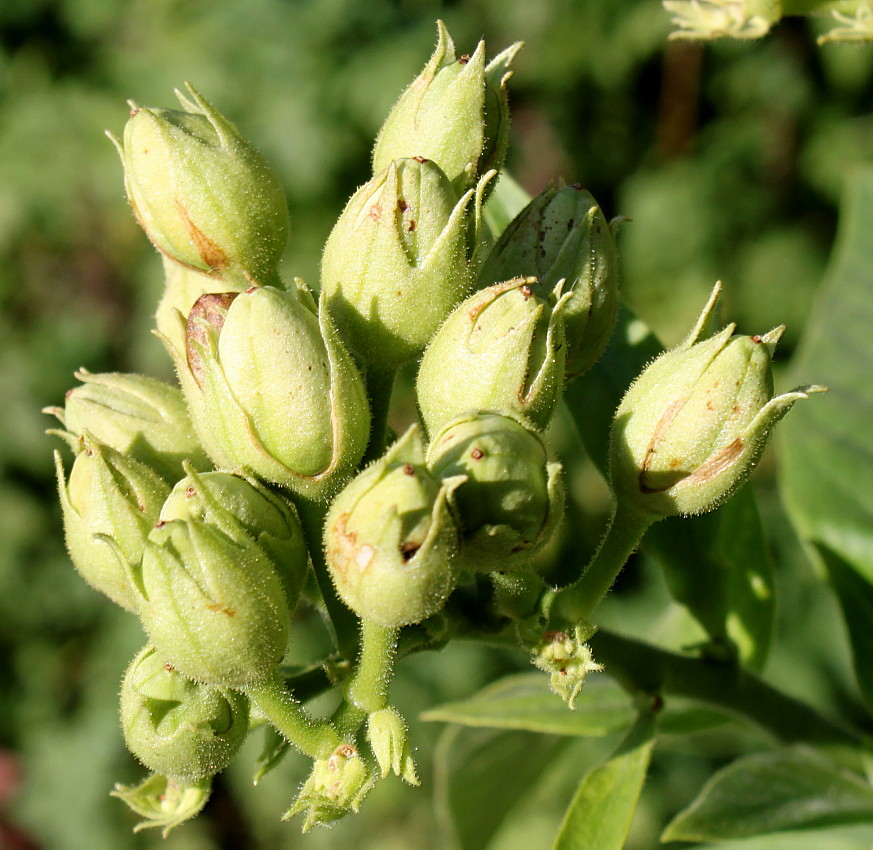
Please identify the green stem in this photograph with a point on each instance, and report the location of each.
(313, 738)
(643, 668)
(576, 602)
(367, 689)
(380, 385)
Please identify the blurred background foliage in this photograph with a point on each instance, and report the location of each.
(729, 158)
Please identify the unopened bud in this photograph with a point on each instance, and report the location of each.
(390, 538)
(395, 263)
(502, 350)
(141, 417)
(177, 727)
(204, 196)
(110, 503)
(511, 500)
(562, 235)
(164, 803)
(695, 422)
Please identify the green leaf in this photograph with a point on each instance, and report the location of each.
(790, 789)
(855, 593)
(525, 702)
(600, 814)
(481, 775)
(827, 468)
(717, 565)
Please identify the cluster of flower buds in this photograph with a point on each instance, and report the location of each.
(204, 509)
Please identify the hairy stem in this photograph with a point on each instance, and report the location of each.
(367, 689)
(380, 385)
(576, 602)
(317, 739)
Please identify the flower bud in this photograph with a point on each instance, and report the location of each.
(213, 603)
(177, 727)
(237, 506)
(694, 423)
(164, 802)
(140, 417)
(204, 196)
(395, 263)
(389, 738)
(512, 498)
(562, 235)
(454, 113)
(336, 787)
(567, 657)
(707, 19)
(390, 538)
(109, 504)
(272, 390)
(502, 349)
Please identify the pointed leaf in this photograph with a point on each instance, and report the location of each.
(827, 468)
(600, 814)
(790, 789)
(526, 702)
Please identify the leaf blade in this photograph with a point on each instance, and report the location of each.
(600, 814)
(790, 789)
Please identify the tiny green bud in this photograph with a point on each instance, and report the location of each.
(164, 803)
(336, 787)
(390, 538)
(272, 390)
(454, 113)
(212, 602)
(238, 505)
(177, 727)
(389, 738)
(395, 263)
(502, 349)
(695, 422)
(204, 196)
(140, 417)
(109, 504)
(511, 500)
(567, 658)
(562, 235)
(707, 19)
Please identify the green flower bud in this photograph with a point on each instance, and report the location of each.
(502, 349)
(567, 658)
(395, 263)
(110, 503)
(562, 235)
(512, 498)
(164, 802)
(272, 390)
(140, 417)
(177, 727)
(694, 423)
(238, 505)
(390, 538)
(707, 19)
(336, 787)
(204, 196)
(212, 602)
(454, 113)
(389, 738)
